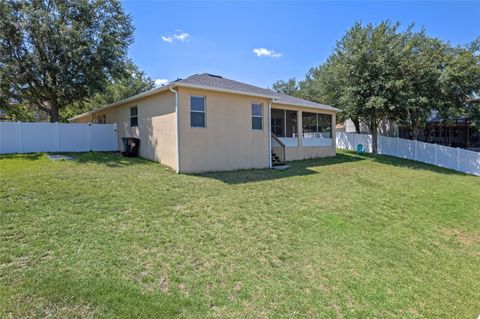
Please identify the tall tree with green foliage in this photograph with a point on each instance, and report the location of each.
(379, 72)
(56, 53)
(460, 82)
(289, 87)
(131, 82)
(421, 68)
(365, 67)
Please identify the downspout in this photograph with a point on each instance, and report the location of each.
(269, 134)
(177, 129)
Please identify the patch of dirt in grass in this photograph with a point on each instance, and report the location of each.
(17, 263)
(69, 311)
(163, 283)
(33, 307)
(463, 238)
(23, 262)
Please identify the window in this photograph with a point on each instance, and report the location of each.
(101, 119)
(257, 117)
(317, 125)
(197, 111)
(134, 116)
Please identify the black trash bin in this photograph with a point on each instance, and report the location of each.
(130, 146)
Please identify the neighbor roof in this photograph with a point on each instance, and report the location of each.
(217, 83)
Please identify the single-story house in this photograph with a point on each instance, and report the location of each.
(209, 123)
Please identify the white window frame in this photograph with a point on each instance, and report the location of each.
(195, 111)
(134, 116)
(257, 116)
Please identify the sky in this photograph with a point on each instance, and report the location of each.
(262, 42)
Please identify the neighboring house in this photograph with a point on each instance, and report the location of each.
(209, 123)
(39, 116)
(385, 128)
(458, 133)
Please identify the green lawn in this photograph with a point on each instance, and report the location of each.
(353, 236)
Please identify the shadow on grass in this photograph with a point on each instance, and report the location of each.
(29, 156)
(410, 164)
(110, 159)
(297, 168)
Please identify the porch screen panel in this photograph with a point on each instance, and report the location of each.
(278, 122)
(325, 125)
(309, 121)
(291, 123)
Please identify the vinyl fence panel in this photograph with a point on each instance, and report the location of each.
(438, 155)
(18, 137)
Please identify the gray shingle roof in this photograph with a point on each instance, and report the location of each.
(218, 82)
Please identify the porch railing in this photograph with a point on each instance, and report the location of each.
(278, 151)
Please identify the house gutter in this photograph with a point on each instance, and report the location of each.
(177, 128)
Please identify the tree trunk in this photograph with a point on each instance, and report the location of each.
(356, 123)
(415, 133)
(374, 131)
(54, 114)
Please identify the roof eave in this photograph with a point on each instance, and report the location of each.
(127, 100)
(321, 107)
(192, 86)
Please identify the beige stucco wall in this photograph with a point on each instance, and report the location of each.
(156, 126)
(300, 152)
(228, 141)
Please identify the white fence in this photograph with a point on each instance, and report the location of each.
(454, 158)
(20, 137)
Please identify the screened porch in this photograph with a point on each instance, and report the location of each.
(297, 128)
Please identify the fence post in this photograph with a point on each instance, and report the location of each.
(115, 143)
(458, 159)
(435, 155)
(57, 137)
(415, 157)
(397, 146)
(89, 138)
(19, 137)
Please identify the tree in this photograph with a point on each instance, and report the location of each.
(365, 68)
(421, 68)
(289, 87)
(133, 81)
(460, 83)
(56, 53)
(322, 85)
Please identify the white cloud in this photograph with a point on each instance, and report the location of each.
(161, 82)
(179, 36)
(182, 36)
(266, 52)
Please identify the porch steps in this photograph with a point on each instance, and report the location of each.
(276, 159)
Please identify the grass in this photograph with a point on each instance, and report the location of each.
(104, 236)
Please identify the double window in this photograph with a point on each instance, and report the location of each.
(197, 111)
(257, 116)
(284, 123)
(134, 116)
(317, 125)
